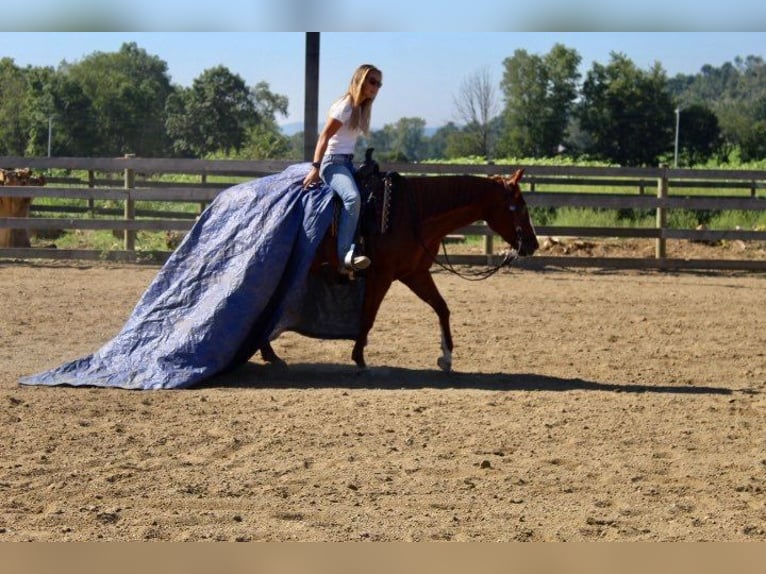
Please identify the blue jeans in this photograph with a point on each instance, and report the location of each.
(337, 171)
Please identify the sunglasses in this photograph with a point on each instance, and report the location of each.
(375, 82)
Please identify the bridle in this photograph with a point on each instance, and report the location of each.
(508, 259)
(519, 212)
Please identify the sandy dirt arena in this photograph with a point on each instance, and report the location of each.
(585, 405)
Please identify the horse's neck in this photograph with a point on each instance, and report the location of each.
(446, 204)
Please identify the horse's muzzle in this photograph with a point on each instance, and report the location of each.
(527, 245)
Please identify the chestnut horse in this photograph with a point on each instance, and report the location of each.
(425, 209)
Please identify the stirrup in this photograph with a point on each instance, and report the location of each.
(354, 262)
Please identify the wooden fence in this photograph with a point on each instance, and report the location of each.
(128, 180)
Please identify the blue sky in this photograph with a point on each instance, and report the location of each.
(422, 70)
(391, 15)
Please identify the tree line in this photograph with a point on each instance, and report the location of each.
(616, 113)
(111, 104)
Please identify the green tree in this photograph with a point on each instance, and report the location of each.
(402, 141)
(699, 135)
(753, 140)
(753, 146)
(539, 93)
(215, 114)
(627, 113)
(268, 105)
(264, 141)
(381, 140)
(220, 114)
(735, 92)
(13, 113)
(438, 143)
(465, 142)
(296, 147)
(127, 91)
(56, 101)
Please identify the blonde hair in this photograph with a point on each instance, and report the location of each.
(360, 110)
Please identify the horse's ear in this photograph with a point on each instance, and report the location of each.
(516, 177)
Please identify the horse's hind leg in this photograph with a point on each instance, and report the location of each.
(268, 355)
(377, 286)
(422, 284)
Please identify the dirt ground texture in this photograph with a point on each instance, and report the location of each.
(585, 405)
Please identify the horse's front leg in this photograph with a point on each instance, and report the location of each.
(422, 284)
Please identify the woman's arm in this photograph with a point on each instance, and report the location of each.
(329, 130)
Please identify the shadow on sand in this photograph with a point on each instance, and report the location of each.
(323, 376)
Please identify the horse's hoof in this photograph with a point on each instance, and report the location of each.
(444, 364)
(359, 360)
(279, 365)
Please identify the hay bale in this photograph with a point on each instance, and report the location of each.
(16, 206)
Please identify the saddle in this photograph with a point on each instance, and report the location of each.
(376, 190)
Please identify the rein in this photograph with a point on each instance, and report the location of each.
(509, 258)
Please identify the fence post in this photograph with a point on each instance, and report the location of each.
(91, 185)
(489, 243)
(660, 250)
(203, 204)
(129, 235)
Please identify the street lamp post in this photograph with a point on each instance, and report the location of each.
(678, 122)
(50, 133)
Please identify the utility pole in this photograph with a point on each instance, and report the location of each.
(678, 123)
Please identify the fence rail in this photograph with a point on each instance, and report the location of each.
(655, 189)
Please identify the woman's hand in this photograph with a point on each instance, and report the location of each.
(312, 178)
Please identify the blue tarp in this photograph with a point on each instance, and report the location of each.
(235, 282)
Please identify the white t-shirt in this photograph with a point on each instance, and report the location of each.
(344, 140)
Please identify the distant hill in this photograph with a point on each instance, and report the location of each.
(292, 128)
(295, 127)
